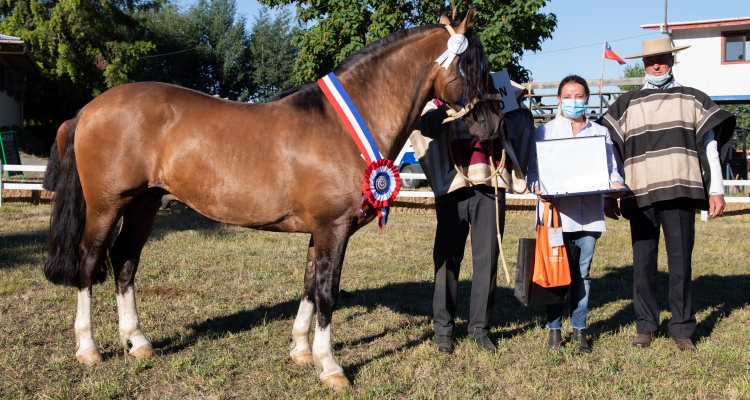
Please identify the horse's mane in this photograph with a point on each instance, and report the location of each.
(361, 55)
(373, 48)
(472, 63)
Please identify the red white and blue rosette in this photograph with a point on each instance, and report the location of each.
(382, 183)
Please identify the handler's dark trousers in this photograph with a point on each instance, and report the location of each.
(677, 217)
(456, 211)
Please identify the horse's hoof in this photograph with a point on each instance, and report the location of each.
(302, 357)
(89, 357)
(336, 382)
(143, 352)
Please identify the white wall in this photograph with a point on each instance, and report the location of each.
(700, 65)
(10, 111)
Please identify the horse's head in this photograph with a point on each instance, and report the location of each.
(467, 80)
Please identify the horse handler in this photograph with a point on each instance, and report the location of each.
(463, 174)
(671, 139)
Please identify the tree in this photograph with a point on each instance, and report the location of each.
(742, 111)
(335, 29)
(205, 48)
(633, 71)
(272, 54)
(83, 47)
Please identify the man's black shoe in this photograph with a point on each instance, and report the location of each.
(554, 340)
(484, 343)
(444, 344)
(579, 338)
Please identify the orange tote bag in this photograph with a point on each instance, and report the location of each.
(551, 267)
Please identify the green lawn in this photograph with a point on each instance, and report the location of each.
(218, 303)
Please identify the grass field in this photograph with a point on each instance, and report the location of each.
(218, 303)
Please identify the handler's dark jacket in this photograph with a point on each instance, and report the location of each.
(659, 137)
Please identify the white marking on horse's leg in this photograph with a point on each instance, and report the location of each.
(300, 349)
(330, 372)
(130, 326)
(86, 351)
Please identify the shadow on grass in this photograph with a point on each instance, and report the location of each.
(720, 295)
(181, 218)
(21, 248)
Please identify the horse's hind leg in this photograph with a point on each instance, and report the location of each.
(300, 349)
(95, 240)
(137, 222)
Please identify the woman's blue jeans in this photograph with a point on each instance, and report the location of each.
(580, 283)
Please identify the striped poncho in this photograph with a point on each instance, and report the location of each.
(659, 135)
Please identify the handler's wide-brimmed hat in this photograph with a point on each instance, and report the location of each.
(654, 47)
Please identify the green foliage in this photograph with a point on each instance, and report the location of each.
(272, 54)
(335, 29)
(204, 48)
(742, 111)
(633, 71)
(83, 47)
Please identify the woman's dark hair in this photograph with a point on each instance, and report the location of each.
(573, 79)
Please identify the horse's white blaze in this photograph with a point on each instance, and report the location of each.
(301, 327)
(130, 324)
(323, 353)
(83, 329)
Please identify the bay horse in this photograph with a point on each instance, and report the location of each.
(288, 166)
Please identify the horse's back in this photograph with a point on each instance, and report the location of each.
(238, 163)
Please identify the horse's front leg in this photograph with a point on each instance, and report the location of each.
(329, 250)
(300, 350)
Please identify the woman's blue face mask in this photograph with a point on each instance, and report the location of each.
(573, 108)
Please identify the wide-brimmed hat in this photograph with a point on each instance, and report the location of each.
(654, 47)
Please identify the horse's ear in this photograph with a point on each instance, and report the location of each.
(468, 21)
(445, 20)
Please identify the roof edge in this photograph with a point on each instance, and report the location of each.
(708, 23)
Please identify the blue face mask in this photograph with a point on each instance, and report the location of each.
(659, 80)
(573, 108)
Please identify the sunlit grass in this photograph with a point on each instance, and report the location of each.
(218, 303)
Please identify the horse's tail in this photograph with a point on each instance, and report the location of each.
(53, 167)
(67, 223)
(53, 164)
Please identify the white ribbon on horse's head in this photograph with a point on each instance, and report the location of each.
(457, 44)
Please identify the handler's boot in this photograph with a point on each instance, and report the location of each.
(554, 340)
(579, 338)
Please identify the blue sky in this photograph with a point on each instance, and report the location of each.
(586, 24)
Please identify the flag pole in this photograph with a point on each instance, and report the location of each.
(601, 81)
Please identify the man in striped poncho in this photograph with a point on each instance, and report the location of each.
(671, 140)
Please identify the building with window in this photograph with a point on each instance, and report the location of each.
(16, 68)
(717, 61)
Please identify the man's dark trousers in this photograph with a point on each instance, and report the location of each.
(677, 217)
(456, 212)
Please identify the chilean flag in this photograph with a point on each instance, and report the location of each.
(608, 53)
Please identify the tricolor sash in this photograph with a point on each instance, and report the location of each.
(382, 181)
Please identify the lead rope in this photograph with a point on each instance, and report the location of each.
(495, 173)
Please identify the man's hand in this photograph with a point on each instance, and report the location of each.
(617, 185)
(611, 209)
(715, 205)
(538, 194)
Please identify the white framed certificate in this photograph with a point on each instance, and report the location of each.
(573, 167)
